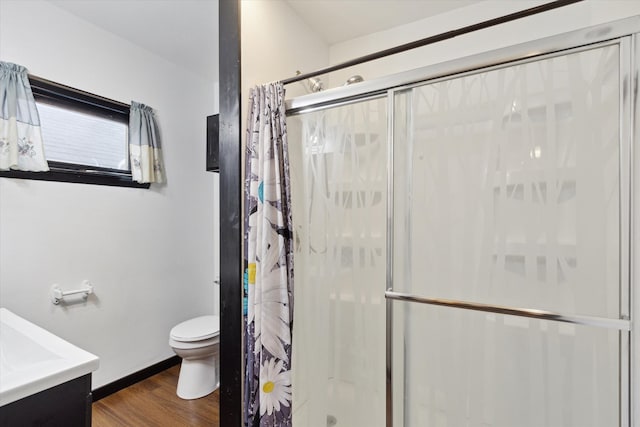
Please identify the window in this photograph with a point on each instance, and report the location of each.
(85, 137)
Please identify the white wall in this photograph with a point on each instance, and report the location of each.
(149, 253)
(575, 16)
(276, 43)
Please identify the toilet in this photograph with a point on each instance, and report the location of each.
(197, 342)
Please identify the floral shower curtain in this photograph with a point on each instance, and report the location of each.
(21, 144)
(268, 261)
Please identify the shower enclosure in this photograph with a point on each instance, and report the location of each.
(463, 241)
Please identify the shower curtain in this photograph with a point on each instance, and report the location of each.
(268, 261)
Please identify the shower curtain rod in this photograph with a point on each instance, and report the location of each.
(434, 39)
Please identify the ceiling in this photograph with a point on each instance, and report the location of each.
(181, 31)
(186, 31)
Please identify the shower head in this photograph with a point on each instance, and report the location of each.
(354, 79)
(314, 84)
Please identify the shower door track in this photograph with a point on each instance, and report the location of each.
(524, 51)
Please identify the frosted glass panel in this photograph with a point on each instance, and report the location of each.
(465, 368)
(338, 175)
(507, 185)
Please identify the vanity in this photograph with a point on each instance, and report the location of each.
(44, 380)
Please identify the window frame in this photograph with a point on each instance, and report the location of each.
(60, 95)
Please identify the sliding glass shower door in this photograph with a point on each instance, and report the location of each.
(508, 197)
(339, 180)
(463, 242)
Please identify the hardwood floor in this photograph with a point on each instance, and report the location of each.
(153, 402)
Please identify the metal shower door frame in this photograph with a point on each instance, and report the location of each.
(623, 32)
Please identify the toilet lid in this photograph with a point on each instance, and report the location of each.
(200, 328)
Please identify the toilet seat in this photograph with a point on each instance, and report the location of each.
(197, 329)
(185, 345)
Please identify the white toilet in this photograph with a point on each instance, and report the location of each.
(197, 342)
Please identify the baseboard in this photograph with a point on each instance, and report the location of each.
(142, 374)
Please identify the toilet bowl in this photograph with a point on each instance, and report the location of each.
(197, 341)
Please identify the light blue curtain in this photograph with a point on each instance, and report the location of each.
(268, 261)
(21, 145)
(144, 145)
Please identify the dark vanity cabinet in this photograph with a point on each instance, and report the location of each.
(65, 405)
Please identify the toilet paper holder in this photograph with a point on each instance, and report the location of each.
(57, 294)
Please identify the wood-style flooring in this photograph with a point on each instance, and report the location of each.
(153, 402)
